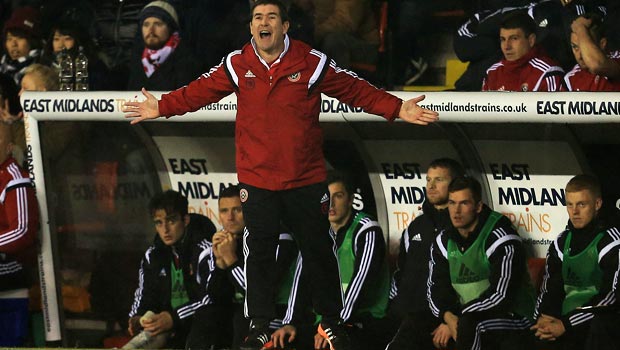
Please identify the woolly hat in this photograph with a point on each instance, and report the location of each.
(162, 10)
(25, 19)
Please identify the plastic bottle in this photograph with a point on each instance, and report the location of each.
(81, 71)
(65, 73)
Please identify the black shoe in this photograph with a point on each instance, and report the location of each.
(257, 337)
(336, 336)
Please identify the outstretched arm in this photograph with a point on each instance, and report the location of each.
(412, 113)
(147, 109)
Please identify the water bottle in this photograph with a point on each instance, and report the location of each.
(81, 71)
(65, 73)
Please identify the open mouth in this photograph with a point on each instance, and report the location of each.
(264, 34)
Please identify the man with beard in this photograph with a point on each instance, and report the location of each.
(408, 293)
(166, 62)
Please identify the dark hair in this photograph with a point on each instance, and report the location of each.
(281, 7)
(72, 29)
(519, 20)
(33, 41)
(171, 201)
(229, 192)
(585, 182)
(9, 91)
(467, 183)
(596, 28)
(455, 168)
(344, 179)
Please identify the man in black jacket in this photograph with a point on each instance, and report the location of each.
(581, 276)
(166, 62)
(175, 273)
(408, 292)
(478, 282)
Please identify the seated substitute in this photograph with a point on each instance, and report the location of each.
(525, 67)
(596, 69)
(174, 273)
(408, 294)
(228, 251)
(363, 269)
(478, 280)
(581, 275)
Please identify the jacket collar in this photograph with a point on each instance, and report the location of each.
(286, 46)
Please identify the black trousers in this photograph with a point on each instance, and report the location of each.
(304, 211)
(211, 328)
(600, 333)
(489, 330)
(415, 331)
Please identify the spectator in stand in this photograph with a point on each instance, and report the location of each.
(346, 31)
(175, 276)
(116, 25)
(21, 42)
(581, 276)
(411, 19)
(213, 28)
(407, 293)
(19, 222)
(69, 35)
(596, 69)
(525, 66)
(38, 77)
(166, 62)
(10, 108)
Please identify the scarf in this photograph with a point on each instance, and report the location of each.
(152, 59)
(15, 68)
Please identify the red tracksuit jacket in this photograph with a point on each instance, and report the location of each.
(532, 72)
(19, 222)
(582, 80)
(278, 138)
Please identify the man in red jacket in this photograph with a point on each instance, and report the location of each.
(278, 82)
(19, 221)
(525, 66)
(596, 69)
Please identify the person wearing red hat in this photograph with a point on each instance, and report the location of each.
(21, 42)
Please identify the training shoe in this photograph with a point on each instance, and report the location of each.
(417, 68)
(336, 336)
(257, 338)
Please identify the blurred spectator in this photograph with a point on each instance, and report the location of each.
(412, 20)
(21, 42)
(68, 34)
(38, 77)
(525, 66)
(19, 222)
(10, 108)
(213, 28)
(596, 69)
(345, 30)
(166, 62)
(116, 33)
